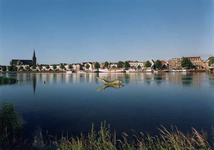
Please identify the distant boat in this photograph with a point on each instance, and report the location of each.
(69, 72)
(104, 70)
(148, 70)
(80, 71)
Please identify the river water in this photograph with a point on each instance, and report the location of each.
(72, 102)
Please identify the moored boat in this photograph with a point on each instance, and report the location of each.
(69, 71)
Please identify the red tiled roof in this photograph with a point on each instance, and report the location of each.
(163, 62)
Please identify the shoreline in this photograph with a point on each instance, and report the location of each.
(143, 71)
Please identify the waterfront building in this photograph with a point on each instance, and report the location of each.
(164, 64)
(196, 61)
(102, 65)
(113, 65)
(20, 62)
(174, 63)
(77, 66)
(135, 64)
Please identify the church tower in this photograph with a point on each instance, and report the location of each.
(34, 58)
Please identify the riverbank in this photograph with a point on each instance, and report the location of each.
(33, 72)
(87, 71)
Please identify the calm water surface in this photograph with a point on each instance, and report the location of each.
(72, 102)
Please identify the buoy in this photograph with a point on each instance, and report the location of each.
(44, 82)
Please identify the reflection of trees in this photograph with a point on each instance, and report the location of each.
(158, 79)
(148, 80)
(211, 81)
(57, 78)
(127, 78)
(186, 80)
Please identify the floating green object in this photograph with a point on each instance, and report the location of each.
(5, 80)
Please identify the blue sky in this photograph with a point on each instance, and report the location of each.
(73, 31)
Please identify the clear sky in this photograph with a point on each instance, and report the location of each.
(74, 31)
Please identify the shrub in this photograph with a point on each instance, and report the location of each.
(10, 126)
(5, 80)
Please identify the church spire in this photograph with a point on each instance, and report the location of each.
(34, 54)
(34, 58)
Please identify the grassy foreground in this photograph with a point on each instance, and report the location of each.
(5, 80)
(104, 139)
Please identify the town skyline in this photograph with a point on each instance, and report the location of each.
(105, 30)
(205, 58)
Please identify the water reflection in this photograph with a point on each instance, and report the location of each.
(116, 86)
(185, 79)
(34, 84)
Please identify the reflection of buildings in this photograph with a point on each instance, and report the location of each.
(183, 78)
(34, 84)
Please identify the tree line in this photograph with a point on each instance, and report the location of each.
(158, 64)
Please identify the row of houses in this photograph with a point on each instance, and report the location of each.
(176, 63)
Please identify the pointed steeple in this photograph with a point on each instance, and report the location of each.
(34, 58)
(34, 54)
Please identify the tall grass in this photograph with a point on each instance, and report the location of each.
(105, 140)
(10, 125)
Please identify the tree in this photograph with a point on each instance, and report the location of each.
(120, 64)
(4, 68)
(40, 67)
(186, 63)
(148, 64)
(70, 66)
(54, 66)
(20, 68)
(126, 64)
(158, 64)
(87, 66)
(62, 66)
(10, 68)
(138, 67)
(27, 67)
(211, 61)
(47, 67)
(34, 67)
(96, 65)
(14, 68)
(106, 64)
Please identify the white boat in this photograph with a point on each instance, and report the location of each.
(104, 70)
(69, 71)
(80, 71)
(148, 70)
